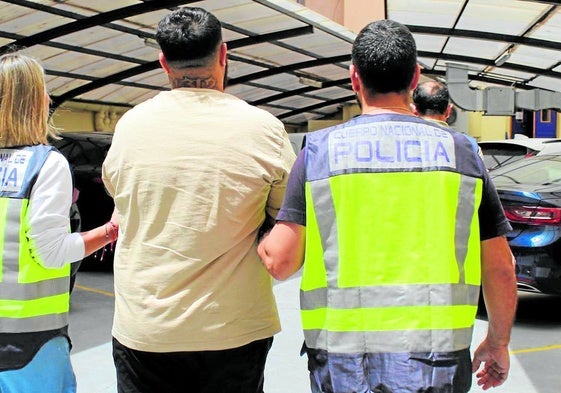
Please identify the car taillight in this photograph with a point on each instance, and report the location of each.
(533, 215)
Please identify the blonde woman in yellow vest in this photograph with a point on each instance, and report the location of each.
(36, 248)
(397, 224)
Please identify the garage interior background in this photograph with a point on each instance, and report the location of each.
(291, 57)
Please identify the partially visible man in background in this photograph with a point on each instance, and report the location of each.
(194, 172)
(431, 101)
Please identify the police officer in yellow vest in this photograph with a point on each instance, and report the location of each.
(396, 224)
(35, 246)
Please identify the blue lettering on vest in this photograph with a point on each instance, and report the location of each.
(12, 178)
(4, 170)
(441, 151)
(13, 166)
(411, 149)
(391, 145)
(341, 149)
(363, 151)
(19, 159)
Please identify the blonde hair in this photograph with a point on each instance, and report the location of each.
(24, 102)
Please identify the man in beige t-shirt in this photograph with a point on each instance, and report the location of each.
(194, 173)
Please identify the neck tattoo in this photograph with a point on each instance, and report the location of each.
(206, 82)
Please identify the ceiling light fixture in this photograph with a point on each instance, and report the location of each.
(310, 82)
(503, 59)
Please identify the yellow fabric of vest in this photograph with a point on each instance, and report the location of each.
(393, 234)
(28, 289)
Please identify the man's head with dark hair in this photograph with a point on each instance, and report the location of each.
(385, 56)
(431, 98)
(193, 53)
(189, 37)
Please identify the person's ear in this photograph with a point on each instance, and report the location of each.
(163, 63)
(355, 79)
(223, 55)
(449, 110)
(416, 76)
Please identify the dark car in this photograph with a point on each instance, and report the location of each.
(85, 151)
(530, 192)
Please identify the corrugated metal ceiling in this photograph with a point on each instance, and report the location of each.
(96, 51)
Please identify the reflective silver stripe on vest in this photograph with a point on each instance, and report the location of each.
(11, 289)
(52, 287)
(390, 296)
(11, 265)
(33, 324)
(11, 241)
(390, 341)
(323, 204)
(464, 218)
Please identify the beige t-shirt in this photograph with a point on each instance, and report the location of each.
(192, 172)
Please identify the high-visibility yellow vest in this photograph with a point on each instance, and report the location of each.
(392, 259)
(32, 297)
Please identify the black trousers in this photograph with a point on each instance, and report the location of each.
(236, 370)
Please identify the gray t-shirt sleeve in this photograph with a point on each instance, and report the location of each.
(294, 204)
(492, 219)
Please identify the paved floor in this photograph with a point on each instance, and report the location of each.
(286, 370)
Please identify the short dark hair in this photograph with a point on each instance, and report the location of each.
(385, 55)
(189, 37)
(431, 98)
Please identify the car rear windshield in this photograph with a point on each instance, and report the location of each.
(540, 170)
(496, 155)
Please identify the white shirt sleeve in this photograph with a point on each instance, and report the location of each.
(49, 207)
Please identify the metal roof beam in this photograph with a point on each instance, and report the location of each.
(316, 106)
(96, 84)
(284, 107)
(72, 48)
(95, 20)
(300, 92)
(70, 75)
(149, 66)
(487, 62)
(291, 93)
(275, 36)
(483, 35)
(103, 103)
(283, 45)
(551, 2)
(72, 15)
(288, 68)
(486, 79)
(267, 66)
